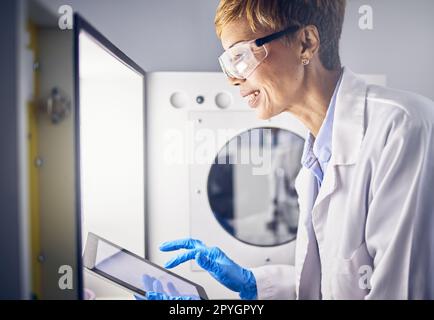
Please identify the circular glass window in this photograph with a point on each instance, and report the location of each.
(251, 186)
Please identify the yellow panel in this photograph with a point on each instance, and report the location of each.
(33, 171)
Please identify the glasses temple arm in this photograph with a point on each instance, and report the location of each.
(261, 41)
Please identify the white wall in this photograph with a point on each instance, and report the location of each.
(160, 35)
(178, 35)
(401, 44)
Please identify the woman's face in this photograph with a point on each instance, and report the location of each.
(276, 84)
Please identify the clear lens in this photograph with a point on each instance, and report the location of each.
(241, 60)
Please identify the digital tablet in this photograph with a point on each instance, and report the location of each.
(134, 273)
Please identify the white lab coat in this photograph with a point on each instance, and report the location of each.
(374, 214)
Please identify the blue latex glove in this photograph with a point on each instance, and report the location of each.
(215, 261)
(154, 290)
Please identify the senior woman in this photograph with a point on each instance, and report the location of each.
(366, 186)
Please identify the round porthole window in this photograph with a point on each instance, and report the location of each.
(251, 186)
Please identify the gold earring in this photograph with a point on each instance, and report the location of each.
(305, 62)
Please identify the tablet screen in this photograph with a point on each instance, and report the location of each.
(133, 272)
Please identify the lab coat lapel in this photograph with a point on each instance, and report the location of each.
(347, 136)
(348, 131)
(306, 187)
(320, 207)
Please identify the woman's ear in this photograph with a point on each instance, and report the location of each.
(310, 42)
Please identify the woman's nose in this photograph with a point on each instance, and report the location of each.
(235, 81)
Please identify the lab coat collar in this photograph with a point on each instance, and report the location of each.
(348, 129)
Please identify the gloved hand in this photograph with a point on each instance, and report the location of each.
(215, 261)
(154, 290)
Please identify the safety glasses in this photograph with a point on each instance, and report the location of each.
(240, 60)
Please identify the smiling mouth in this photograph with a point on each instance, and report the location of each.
(252, 98)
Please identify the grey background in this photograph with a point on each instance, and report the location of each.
(178, 35)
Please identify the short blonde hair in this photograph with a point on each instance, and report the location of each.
(276, 15)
